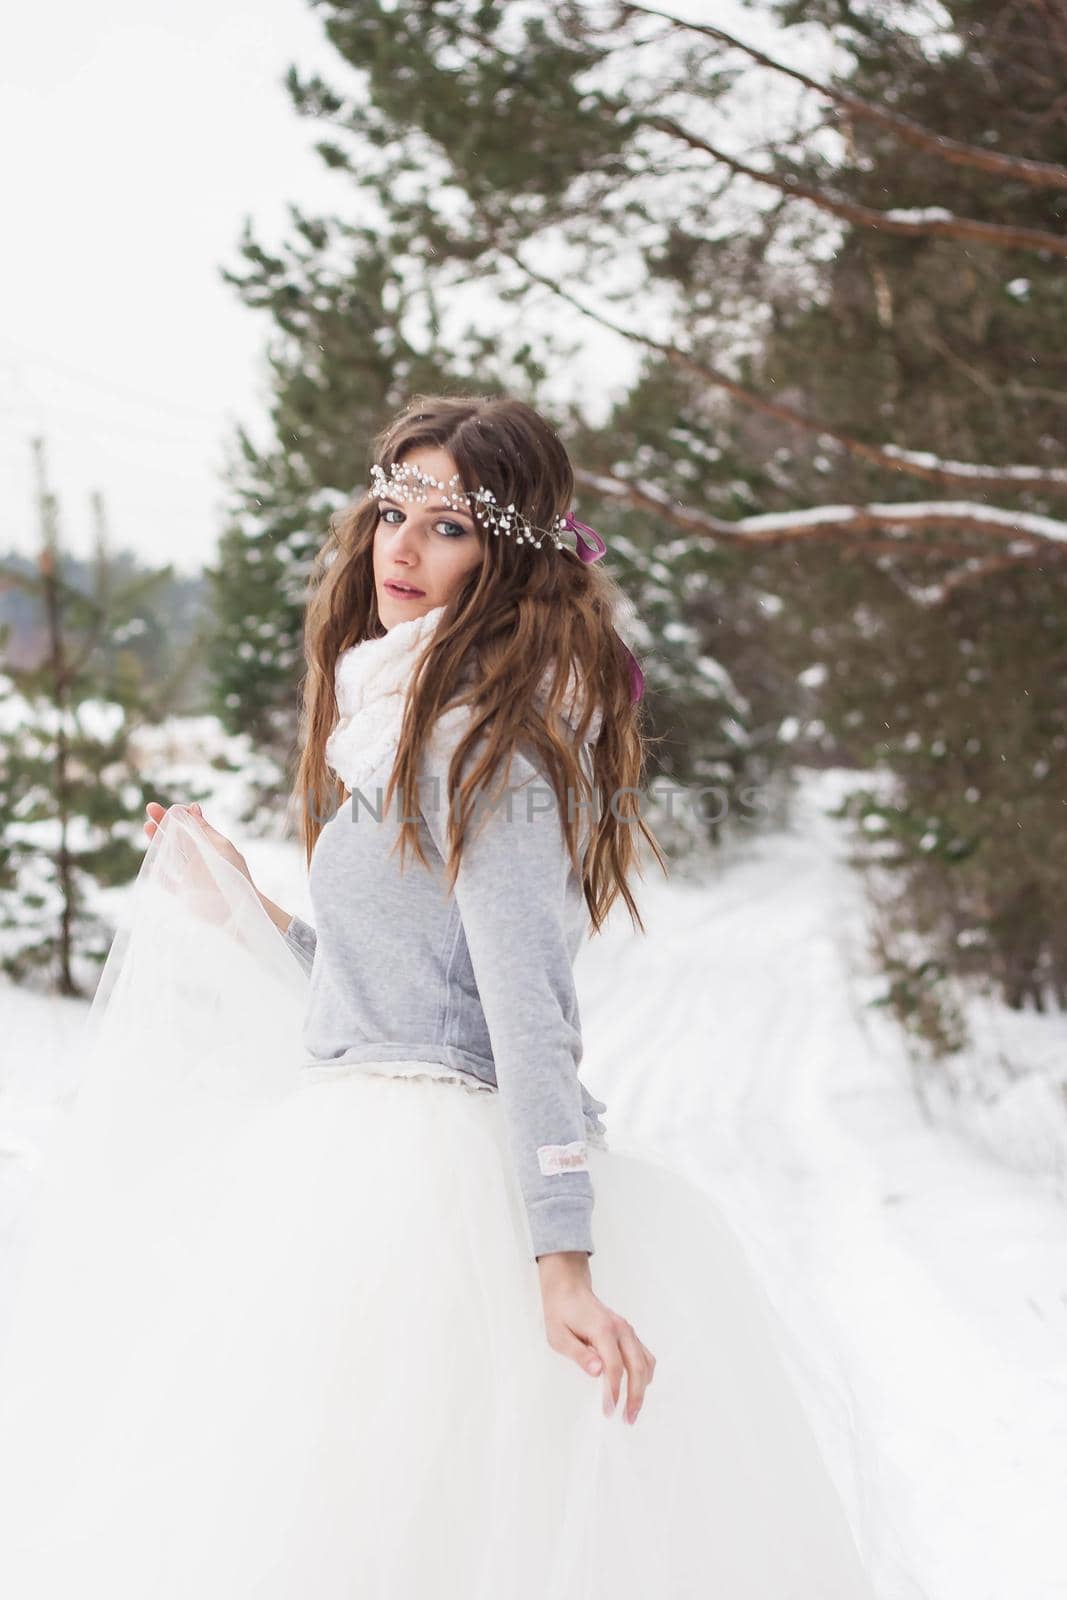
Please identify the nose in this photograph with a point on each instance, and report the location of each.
(402, 540)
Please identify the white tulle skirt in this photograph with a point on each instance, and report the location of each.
(279, 1335)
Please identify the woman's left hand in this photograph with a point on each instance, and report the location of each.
(598, 1339)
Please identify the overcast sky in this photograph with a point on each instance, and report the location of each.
(137, 137)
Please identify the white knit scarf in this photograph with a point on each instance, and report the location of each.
(371, 680)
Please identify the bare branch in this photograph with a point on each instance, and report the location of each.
(1039, 174)
(912, 463)
(975, 571)
(925, 222)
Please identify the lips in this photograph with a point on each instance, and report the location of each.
(404, 591)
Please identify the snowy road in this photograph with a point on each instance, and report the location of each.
(929, 1277)
(925, 1284)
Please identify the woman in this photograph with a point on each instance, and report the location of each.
(318, 1305)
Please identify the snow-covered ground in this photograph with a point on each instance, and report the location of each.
(923, 1280)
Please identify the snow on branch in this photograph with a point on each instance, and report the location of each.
(1026, 532)
(922, 463)
(1038, 174)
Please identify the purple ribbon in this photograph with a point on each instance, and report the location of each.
(587, 542)
(589, 547)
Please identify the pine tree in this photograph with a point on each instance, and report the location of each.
(954, 689)
(71, 795)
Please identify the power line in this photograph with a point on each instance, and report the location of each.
(58, 365)
(46, 416)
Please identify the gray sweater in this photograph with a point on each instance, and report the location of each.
(480, 980)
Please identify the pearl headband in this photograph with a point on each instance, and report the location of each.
(409, 483)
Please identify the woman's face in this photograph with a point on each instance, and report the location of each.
(426, 547)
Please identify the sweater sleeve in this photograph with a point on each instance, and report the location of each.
(301, 938)
(511, 894)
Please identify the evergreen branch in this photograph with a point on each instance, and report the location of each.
(164, 695)
(921, 222)
(1038, 174)
(913, 463)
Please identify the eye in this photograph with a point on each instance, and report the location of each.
(458, 529)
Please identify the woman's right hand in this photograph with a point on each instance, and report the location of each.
(226, 849)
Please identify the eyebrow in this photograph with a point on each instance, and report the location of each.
(455, 511)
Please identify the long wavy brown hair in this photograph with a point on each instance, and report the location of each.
(521, 612)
